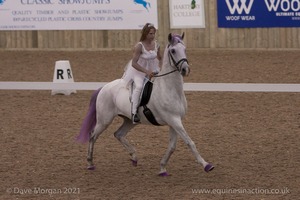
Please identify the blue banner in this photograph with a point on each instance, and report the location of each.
(258, 13)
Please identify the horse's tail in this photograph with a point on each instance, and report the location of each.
(89, 121)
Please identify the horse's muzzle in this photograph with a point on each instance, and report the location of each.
(185, 70)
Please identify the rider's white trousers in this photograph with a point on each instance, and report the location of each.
(137, 77)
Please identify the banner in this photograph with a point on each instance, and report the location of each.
(77, 14)
(182, 15)
(258, 13)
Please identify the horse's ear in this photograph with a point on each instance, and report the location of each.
(170, 38)
(182, 36)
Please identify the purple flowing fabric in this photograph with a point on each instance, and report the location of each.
(89, 121)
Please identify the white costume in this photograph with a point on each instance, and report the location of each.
(148, 60)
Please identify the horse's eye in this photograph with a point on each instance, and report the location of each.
(173, 51)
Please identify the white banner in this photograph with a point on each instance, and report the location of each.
(77, 14)
(183, 15)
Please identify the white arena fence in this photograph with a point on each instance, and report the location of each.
(213, 87)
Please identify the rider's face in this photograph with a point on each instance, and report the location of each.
(151, 34)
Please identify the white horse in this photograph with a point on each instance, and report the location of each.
(167, 103)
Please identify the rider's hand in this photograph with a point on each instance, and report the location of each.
(150, 74)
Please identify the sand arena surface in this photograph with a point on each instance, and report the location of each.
(251, 138)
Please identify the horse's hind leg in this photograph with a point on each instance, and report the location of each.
(99, 128)
(121, 133)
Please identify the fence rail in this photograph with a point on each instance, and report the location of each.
(208, 87)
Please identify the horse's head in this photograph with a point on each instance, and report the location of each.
(177, 54)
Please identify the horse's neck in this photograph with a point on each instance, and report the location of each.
(172, 82)
(168, 66)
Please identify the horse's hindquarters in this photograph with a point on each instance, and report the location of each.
(122, 102)
(110, 100)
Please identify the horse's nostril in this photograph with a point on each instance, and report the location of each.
(184, 71)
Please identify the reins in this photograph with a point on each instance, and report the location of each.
(165, 73)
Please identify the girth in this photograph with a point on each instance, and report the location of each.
(144, 101)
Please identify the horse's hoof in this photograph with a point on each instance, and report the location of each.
(134, 162)
(91, 167)
(163, 174)
(209, 167)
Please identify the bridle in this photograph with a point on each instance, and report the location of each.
(177, 65)
(179, 62)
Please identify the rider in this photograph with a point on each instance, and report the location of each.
(145, 63)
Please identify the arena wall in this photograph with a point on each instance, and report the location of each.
(209, 37)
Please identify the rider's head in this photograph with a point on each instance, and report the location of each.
(146, 30)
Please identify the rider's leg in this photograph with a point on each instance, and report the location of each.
(138, 83)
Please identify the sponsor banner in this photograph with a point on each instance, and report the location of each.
(183, 15)
(77, 14)
(258, 13)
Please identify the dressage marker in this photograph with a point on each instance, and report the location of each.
(63, 74)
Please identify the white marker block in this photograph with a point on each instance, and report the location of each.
(63, 74)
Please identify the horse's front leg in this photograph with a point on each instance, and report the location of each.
(170, 151)
(178, 127)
